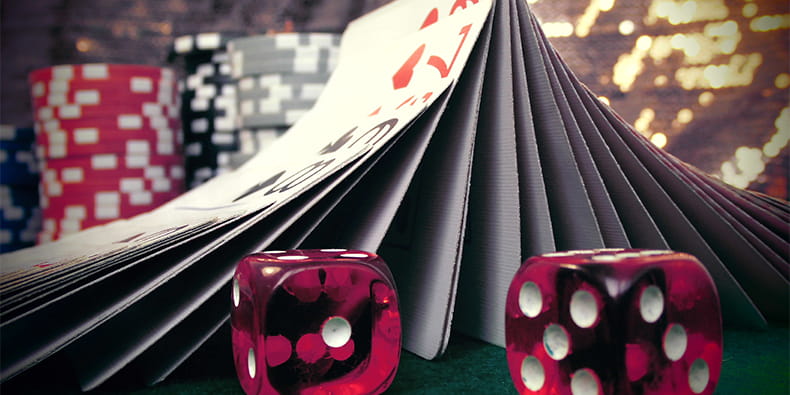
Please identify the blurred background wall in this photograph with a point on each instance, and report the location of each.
(706, 80)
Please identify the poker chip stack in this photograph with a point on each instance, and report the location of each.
(20, 216)
(208, 103)
(108, 137)
(280, 76)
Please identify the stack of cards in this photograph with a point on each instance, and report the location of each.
(452, 140)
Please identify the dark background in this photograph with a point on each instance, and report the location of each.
(40, 33)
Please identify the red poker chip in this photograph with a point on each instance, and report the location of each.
(77, 217)
(93, 135)
(57, 189)
(86, 134)
(98, 72)
(88, 213)
(96, 139)
(130, 146)
(103, 205)
(53, 132)
(83, 170)
(61, 92)
(125, 203)
(118, 121)
(107, 93)
(109, 163)
(76, 192)
(85, 112)
(59, 169)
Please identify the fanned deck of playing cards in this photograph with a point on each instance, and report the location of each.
(454, 141)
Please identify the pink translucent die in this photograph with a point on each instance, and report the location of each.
(315, 322)
(613, 321)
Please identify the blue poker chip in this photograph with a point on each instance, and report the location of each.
(18, 196)
(16, 240)
(16, 134)
(19, 224)
(17, 174)
(18, 163)
(13, 146)
(16, 225)
(11, 247)
(18, 167)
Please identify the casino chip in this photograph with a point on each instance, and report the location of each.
(208, 102)
(240, 93)
(20, 215)
(280, 76)
(109, 140)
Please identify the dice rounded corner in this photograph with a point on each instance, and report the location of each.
(315, 321)
(613, 321)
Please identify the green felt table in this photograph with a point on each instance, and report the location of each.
(755, 363)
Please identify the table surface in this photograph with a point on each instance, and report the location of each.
(754, 363)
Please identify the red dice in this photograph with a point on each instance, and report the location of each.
(315, 322)
(613, 322)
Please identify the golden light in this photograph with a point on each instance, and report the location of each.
(715, 75)
(557, 29)
(706, 98)
(591, 13)
(721, 29)
(659, 139)
(643, 43)
(749, 10)
(684, 13)
(626, 27)
(726, 35)
(739, 71)
(642, 124)
(774, 146)
(731, 176)
(747, 165)
(661, 48)
(698, 46)
(779, 140)
(685, 115)
(770, 22)
(85, 44)
(749, 161)
(629, 65)
(165, 28)
(605, 5)
(782, 81)
(681, 12)
(604, 100)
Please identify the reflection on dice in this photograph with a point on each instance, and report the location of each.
(315, 322)
(613, 321)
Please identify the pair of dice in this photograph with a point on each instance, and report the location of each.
(577, 322)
